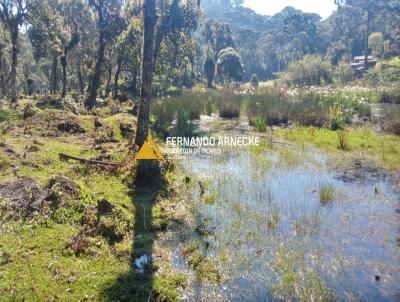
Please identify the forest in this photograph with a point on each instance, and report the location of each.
(96, 204)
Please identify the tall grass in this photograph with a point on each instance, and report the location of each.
(326, 193)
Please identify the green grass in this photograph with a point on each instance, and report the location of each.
(34, 264)
(394, 61)
(8, 115)
(375, 146)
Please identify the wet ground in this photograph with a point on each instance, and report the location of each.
(293, 224)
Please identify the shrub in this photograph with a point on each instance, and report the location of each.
(391, 96)
(311, 70)
(343, 73)
(254, 81)
(337, 118)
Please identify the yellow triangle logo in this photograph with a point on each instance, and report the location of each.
(149, 151)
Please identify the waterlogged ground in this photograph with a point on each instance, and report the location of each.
(295, 224)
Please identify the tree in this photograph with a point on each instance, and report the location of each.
(13, 14)
(254, 81)
(209, 70)
(149, 24)
(108, 25)
(128, 53)
(375, 42)
(230, 65)
(4, 41)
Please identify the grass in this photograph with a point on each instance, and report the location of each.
(36, 266)
(326, 193)
(260, 124)
(206, 268)
(343, 140)
(296, 282)
(383, 148)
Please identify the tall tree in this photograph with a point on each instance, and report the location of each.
(149, 24)
(3, 67)
(209, 70)
(13, 13)
(108, 14)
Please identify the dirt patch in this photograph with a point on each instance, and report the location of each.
(24, 198)
(52, 124)
(108, 220)
(356, 171)
(70, 126)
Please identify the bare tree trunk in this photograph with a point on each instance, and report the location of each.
(2, 76)
(63, 61)
(108, 84)
(116, 80)
(95, 79)
(14, 63)
(150, 19)
(80, 79)
(133, 87)
(366, 37)
(53, 77)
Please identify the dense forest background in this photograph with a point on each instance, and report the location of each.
(91, 47)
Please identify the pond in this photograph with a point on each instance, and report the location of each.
(295, 224)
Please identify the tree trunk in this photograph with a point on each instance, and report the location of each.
(14, 62)
(366, 38)
(133, 87)
(80, 79)
(2, 76)
(53, 77)
(150, 19)
(108, 85)
(116, 80)
(63, 61)
(95, 79)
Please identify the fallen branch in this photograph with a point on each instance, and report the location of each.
(86, 161)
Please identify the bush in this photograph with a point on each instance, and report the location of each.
(254, 81)
(391, 97)
(343, 73)
(311, 70)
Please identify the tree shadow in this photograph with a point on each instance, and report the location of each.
(137, 283)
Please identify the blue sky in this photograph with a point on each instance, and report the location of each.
(269, 7)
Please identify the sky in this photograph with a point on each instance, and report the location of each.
(270, 7)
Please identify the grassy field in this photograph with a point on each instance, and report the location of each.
(44, 257)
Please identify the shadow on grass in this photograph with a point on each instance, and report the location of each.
(138, 283)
